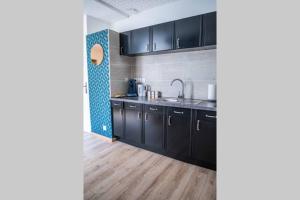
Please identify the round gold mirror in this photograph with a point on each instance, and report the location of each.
(97, 54)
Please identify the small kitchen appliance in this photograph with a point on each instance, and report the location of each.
(141, 89)
(132, 87)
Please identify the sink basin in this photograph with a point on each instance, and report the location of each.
(176, 100)
(173, 100)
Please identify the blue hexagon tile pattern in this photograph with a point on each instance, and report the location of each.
(99, 88)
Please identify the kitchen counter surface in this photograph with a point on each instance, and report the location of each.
(187, 103)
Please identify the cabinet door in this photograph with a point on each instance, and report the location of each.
(117, 118)
(140, 40)
(187, 32)
(210, 29)
(125, 43)
(163, 36)
(133, 122)
(178, 131)
(154, 126)
(204, 137)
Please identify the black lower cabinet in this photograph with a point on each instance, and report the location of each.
(178, 132)
(154, 126)
(181, 133)
(204, 138)
(133, 122)
(117, 118)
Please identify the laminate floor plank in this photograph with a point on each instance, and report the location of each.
(118, 171)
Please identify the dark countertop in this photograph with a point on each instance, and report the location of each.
(187, 103)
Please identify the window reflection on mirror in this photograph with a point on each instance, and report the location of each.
(97, 54)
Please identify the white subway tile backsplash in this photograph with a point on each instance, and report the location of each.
(119, 72)
(120, 66)
(114, 40)
(196, 68)
(118, 87)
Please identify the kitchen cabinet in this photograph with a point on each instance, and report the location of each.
(188, 32)
(154, 126)
(133, 122)
(178, 131)
(181, 133)
(140, 41)
(125, 40)
(117, 118)
(204, 138)
(163, 36)
(210, 29)
(191, 32)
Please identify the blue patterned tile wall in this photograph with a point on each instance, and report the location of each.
(99, 88)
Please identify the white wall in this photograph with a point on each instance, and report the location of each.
(95, 25)
(165, 13)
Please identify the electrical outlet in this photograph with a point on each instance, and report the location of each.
(104, 127)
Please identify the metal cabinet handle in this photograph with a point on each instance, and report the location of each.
(121, 112)
(146, 116)
(153, 109)
(198, 125)
(176, 112)
(177, 43)
(116, 104)
(132, 106)
(211, 116)
(169, 120)
(139, 115)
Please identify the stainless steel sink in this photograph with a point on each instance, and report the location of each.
(177, 100)
(173, 100)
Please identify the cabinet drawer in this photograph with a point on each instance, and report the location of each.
(207, 115)
(133, 106)
(117, 104)
(154, 109)
(179, 111)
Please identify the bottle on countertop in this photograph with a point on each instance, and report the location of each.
(157, 94)
(152, 94)
(148, 91)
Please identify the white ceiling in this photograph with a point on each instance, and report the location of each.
(130, 7)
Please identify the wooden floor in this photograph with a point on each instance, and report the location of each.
(120, 171)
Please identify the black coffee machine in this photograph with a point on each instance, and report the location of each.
(132, 88)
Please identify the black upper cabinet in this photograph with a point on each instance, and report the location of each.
(204, 138)
(125, 39)
(163, 36)
(133, 122)
(117, 118)
(178, 131)
(154, 126)
(187, 32)
(140, 41)
(209, 29)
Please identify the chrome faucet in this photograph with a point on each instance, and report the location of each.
(180, 95)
